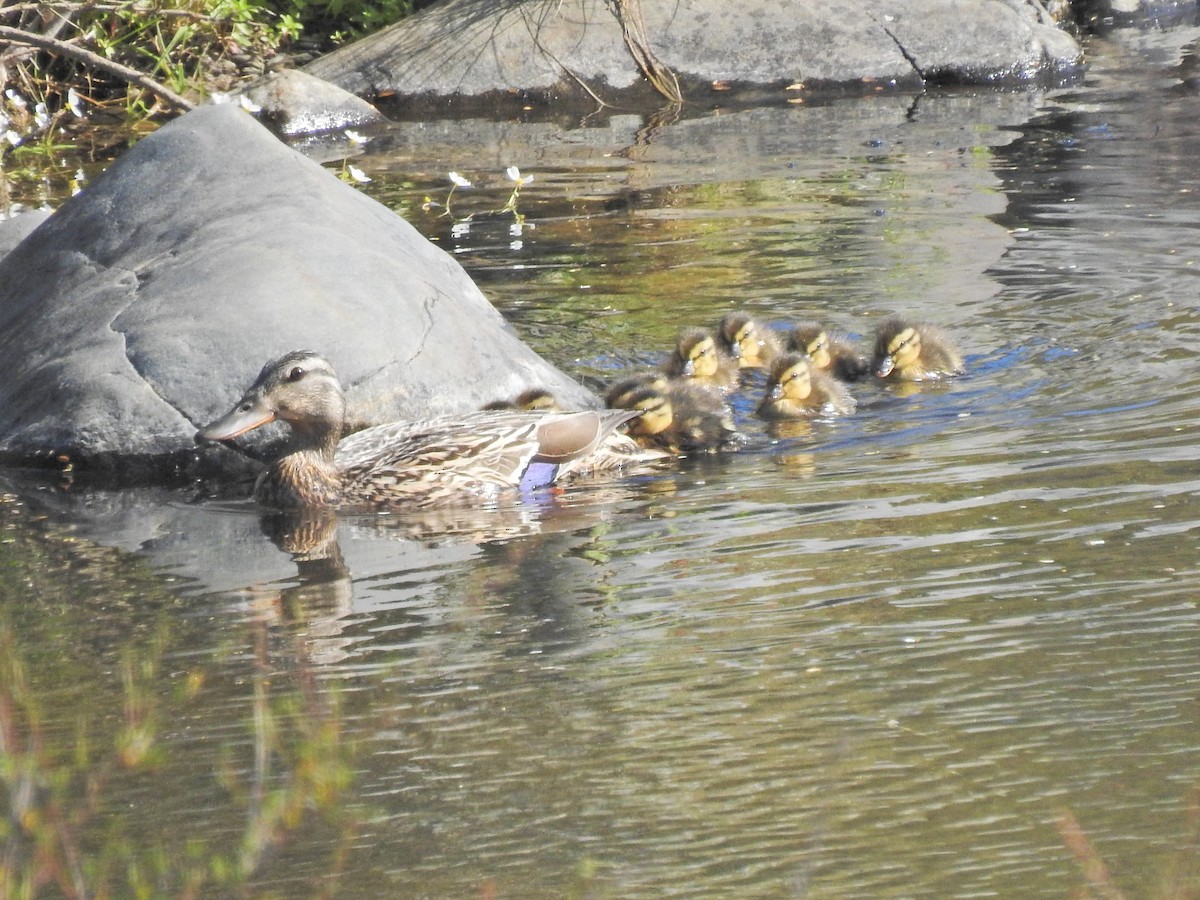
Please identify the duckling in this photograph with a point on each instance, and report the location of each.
(752, 344)
(698, 356)
(682, 417)
(618, 393)
(473, 457)
(828, 353)
(533, 399)
(796, 390)
(914, 351)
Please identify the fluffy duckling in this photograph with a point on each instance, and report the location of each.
(751, 343)
(828, 353)
(797, 390)
(470, 458)
(533, 399)
(682, 417)
(914, 351)
(698, 356)
(618, 393)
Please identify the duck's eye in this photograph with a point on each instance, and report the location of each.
(295, 373)
(744, 334)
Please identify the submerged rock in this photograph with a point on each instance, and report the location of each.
(479, 48)
(145, 305)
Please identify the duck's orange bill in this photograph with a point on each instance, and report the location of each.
(246, 416)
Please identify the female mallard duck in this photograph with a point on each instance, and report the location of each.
(680, 417)
(453, 459)
(752, 344)
(828, 353)
(698, 356)
(913, 351)
(797, 390)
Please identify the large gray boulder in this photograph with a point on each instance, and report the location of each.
(473, 48)
(145, 305)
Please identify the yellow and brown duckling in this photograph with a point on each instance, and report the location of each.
(752, 344)
(698, 356)
(796, 390)
(828, 352)
(914, 351)
(680, 417)
(619, 392)
(534, 399)
(474, 457)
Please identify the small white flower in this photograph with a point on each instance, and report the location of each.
(514, 174)
(75, 103)
(41, 116)
(460, 229)
(515, 245)
(515, 229)
(249, 105)
(12, 137)
(15, 99)
(458, 180)
(355, 137)
(358, 174)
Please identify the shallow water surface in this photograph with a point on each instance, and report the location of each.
(945, 647)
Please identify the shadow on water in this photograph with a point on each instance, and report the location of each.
(944, 646)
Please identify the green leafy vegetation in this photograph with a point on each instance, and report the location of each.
(69, 67)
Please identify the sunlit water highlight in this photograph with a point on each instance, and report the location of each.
(874, 657)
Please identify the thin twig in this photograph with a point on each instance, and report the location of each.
(633, 28)
(88, 58)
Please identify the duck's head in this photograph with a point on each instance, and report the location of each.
(897, 347)
(618, 394)
(697, 351)
(812, 340)
(299, 388)
(743, 338)
(537, 400)
(790, 378)
(657, 414)
(533, 400)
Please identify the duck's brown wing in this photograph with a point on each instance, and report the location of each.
(427, 463)
(575, 435)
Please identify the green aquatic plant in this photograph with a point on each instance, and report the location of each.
(71, 828)
(1180, 880)
(462, 224)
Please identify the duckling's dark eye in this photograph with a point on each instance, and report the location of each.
(295, 373)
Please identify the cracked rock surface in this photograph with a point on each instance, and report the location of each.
(562, 47)
(146, 305)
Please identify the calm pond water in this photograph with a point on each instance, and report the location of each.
(947, 647)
